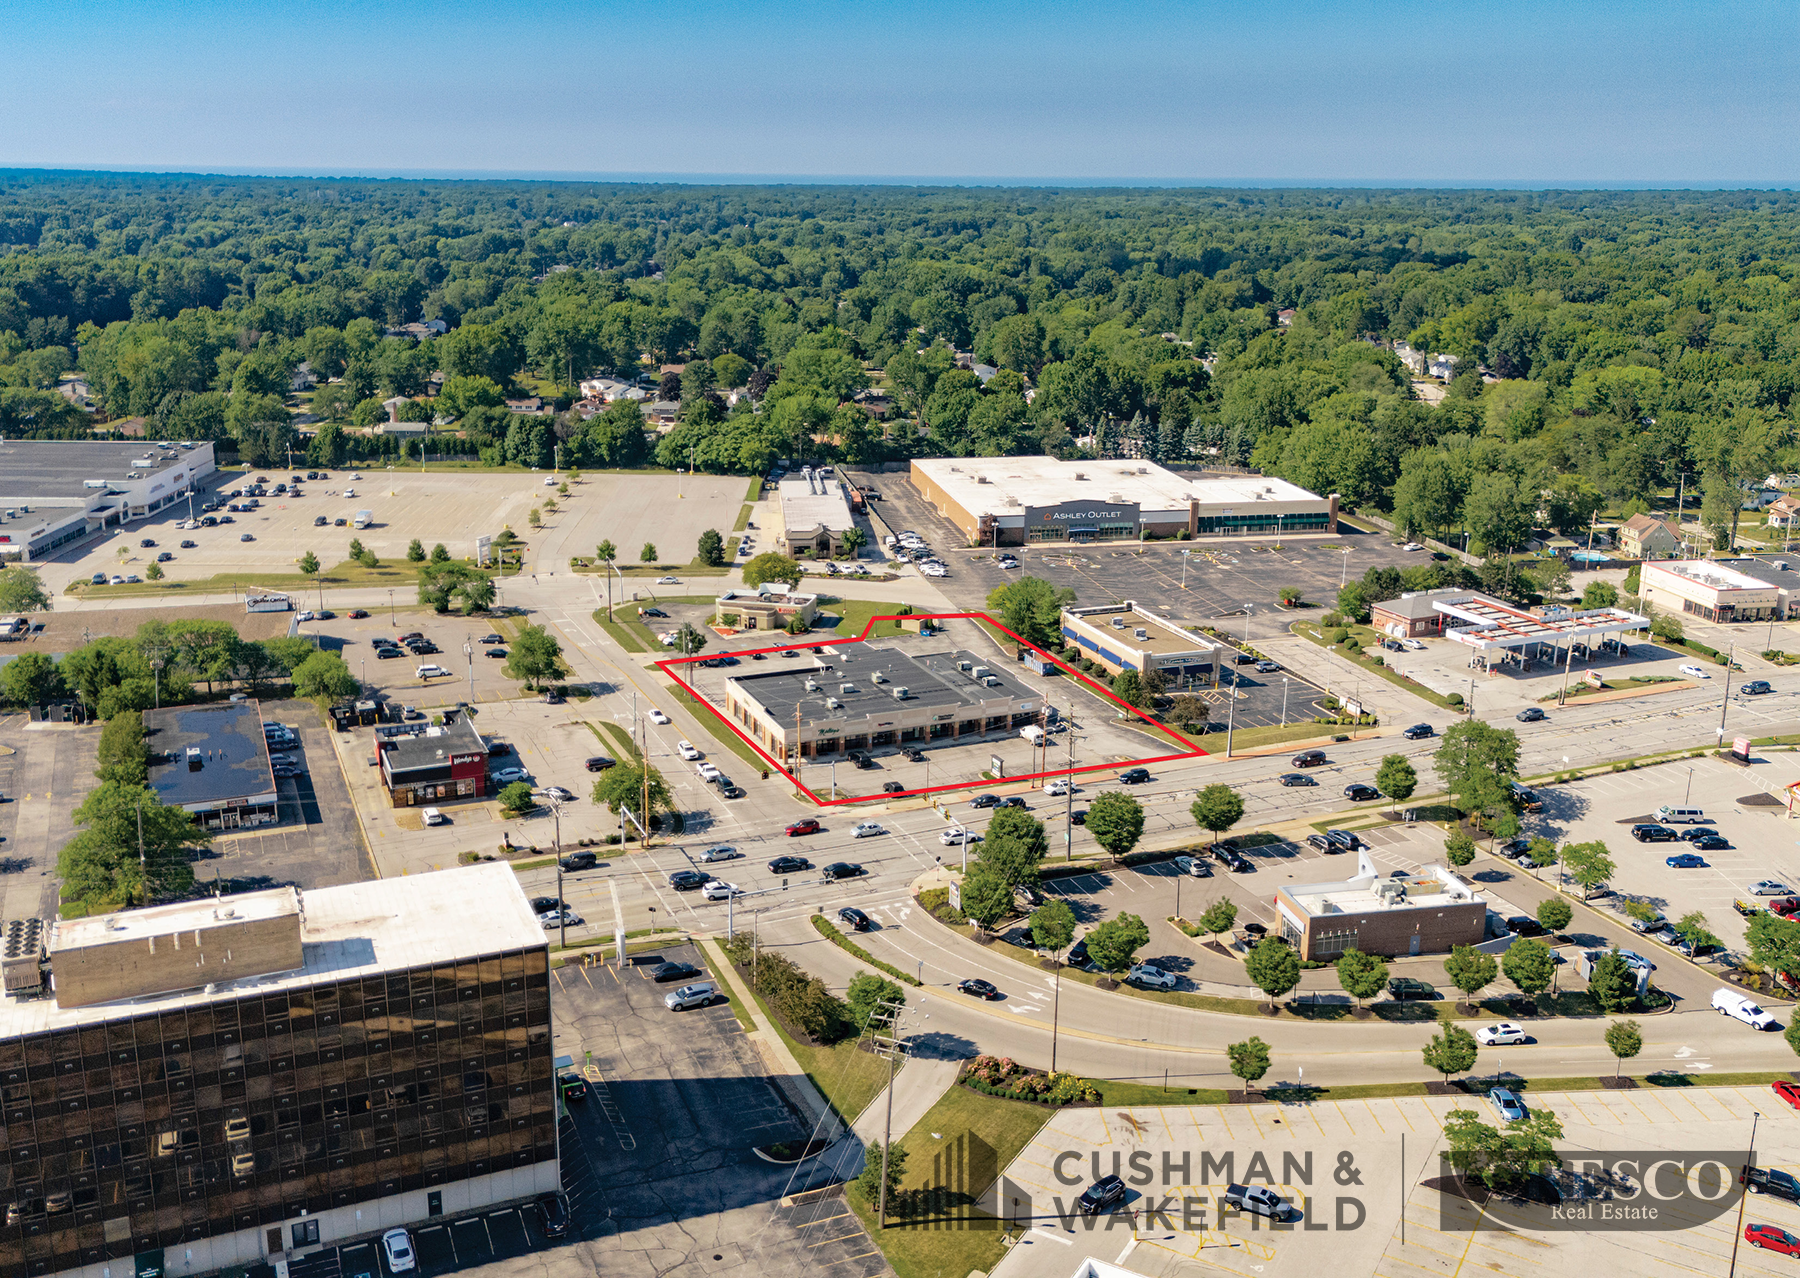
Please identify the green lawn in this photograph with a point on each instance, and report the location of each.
(398, 574)
(1250, 738)
(629, 635)
(857, 612)
(1363, 636)
(971, 1240)
(846, 1076)
(615, 737)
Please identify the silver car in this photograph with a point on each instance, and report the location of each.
(700, 994)
(723, 852)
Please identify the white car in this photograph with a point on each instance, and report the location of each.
(433, 816)
(668, 581)
(559, 918)
(1152, 975)
(349, 492)
(708, 771)
(1693, 672)
(686, 750)
(549, 482)
(1412, 545)
(720, 890)
(1501, 1035)
(955, 836)
(1413, 645)
(657, 716)
(397, 1245)
(864, 829)
(721, 852)
(506, 776)
(303, 616)
(1058, 788)
(429, 671)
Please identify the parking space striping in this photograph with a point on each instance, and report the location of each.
(597, 1081)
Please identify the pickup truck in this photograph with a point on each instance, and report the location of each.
(1785, 906)
(1767, 1180)
(1266, 1202)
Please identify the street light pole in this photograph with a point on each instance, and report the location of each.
(1725, 701)
(1284, 696)
(1231, 712)
(1755, 1118)
(469, 658)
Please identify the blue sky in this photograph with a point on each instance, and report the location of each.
(1353, 91)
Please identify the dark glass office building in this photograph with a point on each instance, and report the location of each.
(189, 1098)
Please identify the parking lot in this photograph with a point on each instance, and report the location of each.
(1367, 1179)
(45, 774)
(680, 1100)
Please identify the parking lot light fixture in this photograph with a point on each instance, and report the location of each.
(1344, 574)
(1284, 697)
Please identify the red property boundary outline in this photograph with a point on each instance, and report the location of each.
(667, 665)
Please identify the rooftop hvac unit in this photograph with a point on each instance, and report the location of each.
(1143, 470)
(1390, 893)
(833, 703)
(1118, 623)
(1117, 499)
(812, 685)
(979, 672)
(990, 681)
(965, 666)
(1140, 633)
(1080, 475)
(193, 759)
(901, 694)
(878, 677)
(982, 479)
(846, 687)
(1010, 501)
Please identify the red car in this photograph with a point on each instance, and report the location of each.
(1769, 1238)
(1789, 1092)
(808, 826)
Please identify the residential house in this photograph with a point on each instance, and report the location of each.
(394, 406)
(1443, 367)
(1782, 513)
(984, 372)
(530, 404)
(303, 379)
(419, 330)
(1285, 316)
(1647, 537)
(662, 413)
(1413, 359)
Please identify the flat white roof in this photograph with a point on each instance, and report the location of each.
(802, 507)
(1431, 888)
(1716, 576)
(356, 929)
(981, 485)
(163, 920)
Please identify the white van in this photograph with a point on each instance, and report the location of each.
(1680, 816)
(1730, 1003)
(1032, 733)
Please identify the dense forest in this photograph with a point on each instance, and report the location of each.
(1608, 345)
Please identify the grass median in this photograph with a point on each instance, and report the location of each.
(1362, 636)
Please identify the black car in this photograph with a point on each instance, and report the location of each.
(1078, 954)
(164, 557)
(189, 545)
(855, 919)
(553, 1214)
(1078, 817)
(579, 861)
(1530, 714)
(1013, 801)
(1408, 987)
(1134, 776)
(1320, 842)
(1419, 731)
(1524, 925)
(1360, 793)
(789, 865)
(1651, 833)
(1296, 778)
(687, 880)
(491, 639)
(388, 653)
(985, 801)
(1513, 849)
(1244, 659)
(1343, 839)
(600, 763)
(674, 971)
(861, 760)
(1755, 688)
(655, 612)
(1236, 862)
(841, 870)
(545, 904)
(1100, 1195)
(892, 787)
(913, 755)
(319, 521)
(1697, 832)
(1712, 843)
(1768, 1180)
(979, 988)
(498, 654)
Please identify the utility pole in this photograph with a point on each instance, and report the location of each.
(562, 905)
(1231, 712)
(143, 865)
(1725, 701)
(1056, 1010)
(888, 1015)
(1069, 805)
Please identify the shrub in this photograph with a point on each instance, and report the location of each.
(1339, 635)
(1002, 1076)
(1453, 698)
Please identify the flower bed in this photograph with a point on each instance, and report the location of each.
(1003, 1076)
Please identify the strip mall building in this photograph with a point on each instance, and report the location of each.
(1010, 501)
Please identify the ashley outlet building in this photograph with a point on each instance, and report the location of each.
(219, 1083)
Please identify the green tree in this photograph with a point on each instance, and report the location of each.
(535, 656)
(1477, 765)
(770, 566)
(1362, 975)
(1217, 808)
(1396, 777)
(517, 798)
(1459, 848)
(1249, 1060)
(415, 551)
(1529, 964)
(711, 550)
(1031, 608)
(1589, 864)
(866, 992)
(1220, 916)
(1792, 1034)
(100, 866)
(324, 676)
(1600, 594)
(868, 1181)
(986, 897)
(1273, 967)
(1501, 1158)
(122, 754)
(1691, 927)
(648, 554)
(1624, 1039)
(1116, 821)
(356, 548)
(1612, 982)
(1470, 970)
(31, 679)
(623, 787)
(308, 564)
(439, 554)
(1113, 944)
(854, 540)
(1053, 925)
(1555, 913)
(22, 591)
(1452, 1050)
(535, 520)
(153, 572)
(1014, 847)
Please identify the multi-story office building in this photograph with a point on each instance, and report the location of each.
(217, 1083)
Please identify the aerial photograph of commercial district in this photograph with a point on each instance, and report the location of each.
(1281, 520)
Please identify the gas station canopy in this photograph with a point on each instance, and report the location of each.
(1485, 623)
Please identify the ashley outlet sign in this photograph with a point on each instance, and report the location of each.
(1081, 512)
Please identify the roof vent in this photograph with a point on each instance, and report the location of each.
(812, 685)
(1140, 633)
(1143, 470)
(846, 687)
(979, 672)
(1118, 623)
(193, 759)
(965, 666)
(1080, 475)
(982, 479)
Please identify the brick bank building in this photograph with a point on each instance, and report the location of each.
(1425, 913)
